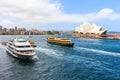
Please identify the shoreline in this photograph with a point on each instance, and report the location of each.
(95, 36)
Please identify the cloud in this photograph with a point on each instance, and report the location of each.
(36, 12)
(103, 14)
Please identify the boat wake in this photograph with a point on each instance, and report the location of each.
(99, 51)
(72, 58)
(35, 58)
(49, 52)
(59, 55)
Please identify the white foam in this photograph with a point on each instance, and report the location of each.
(100, 51)
(35, 58)
(58, 55)
(49, 52)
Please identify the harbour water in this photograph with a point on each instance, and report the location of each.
(89, 59)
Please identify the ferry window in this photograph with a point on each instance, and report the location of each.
(10, 43)
(22, 46)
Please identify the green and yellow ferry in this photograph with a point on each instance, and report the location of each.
(60, 41)
(32, 43)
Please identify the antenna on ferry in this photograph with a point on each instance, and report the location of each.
(29, 36)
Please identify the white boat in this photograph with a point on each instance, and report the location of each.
(20, 48)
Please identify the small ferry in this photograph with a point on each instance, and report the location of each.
(4, 43)
(32, 43)
(60, 41)
(20, 48)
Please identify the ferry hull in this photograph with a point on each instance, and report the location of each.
(66, 45)
(33, 45)
(19, 56)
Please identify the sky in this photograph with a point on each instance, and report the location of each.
(59, 14)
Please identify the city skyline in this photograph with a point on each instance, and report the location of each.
(59, 14)
(23, 31)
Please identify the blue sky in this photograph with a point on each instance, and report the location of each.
(59, 14)
(88, 6)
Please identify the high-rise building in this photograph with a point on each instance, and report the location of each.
(16, 28)
(0, 28)
(15, 31)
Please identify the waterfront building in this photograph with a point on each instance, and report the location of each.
(0, 29)
(89, 30)
(15, 30)
(21, 31)
(4, 30)
(34, 32)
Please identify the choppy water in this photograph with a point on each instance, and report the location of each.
(90, 59)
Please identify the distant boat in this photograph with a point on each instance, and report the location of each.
(20, 48)
(4, 43)
(32, 43)
(60, 41)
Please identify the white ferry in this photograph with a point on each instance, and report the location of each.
(20, 48)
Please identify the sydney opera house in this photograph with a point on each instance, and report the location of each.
(88, 30)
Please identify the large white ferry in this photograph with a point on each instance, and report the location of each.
(20, 48)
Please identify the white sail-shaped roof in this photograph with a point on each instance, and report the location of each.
(90, 28)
